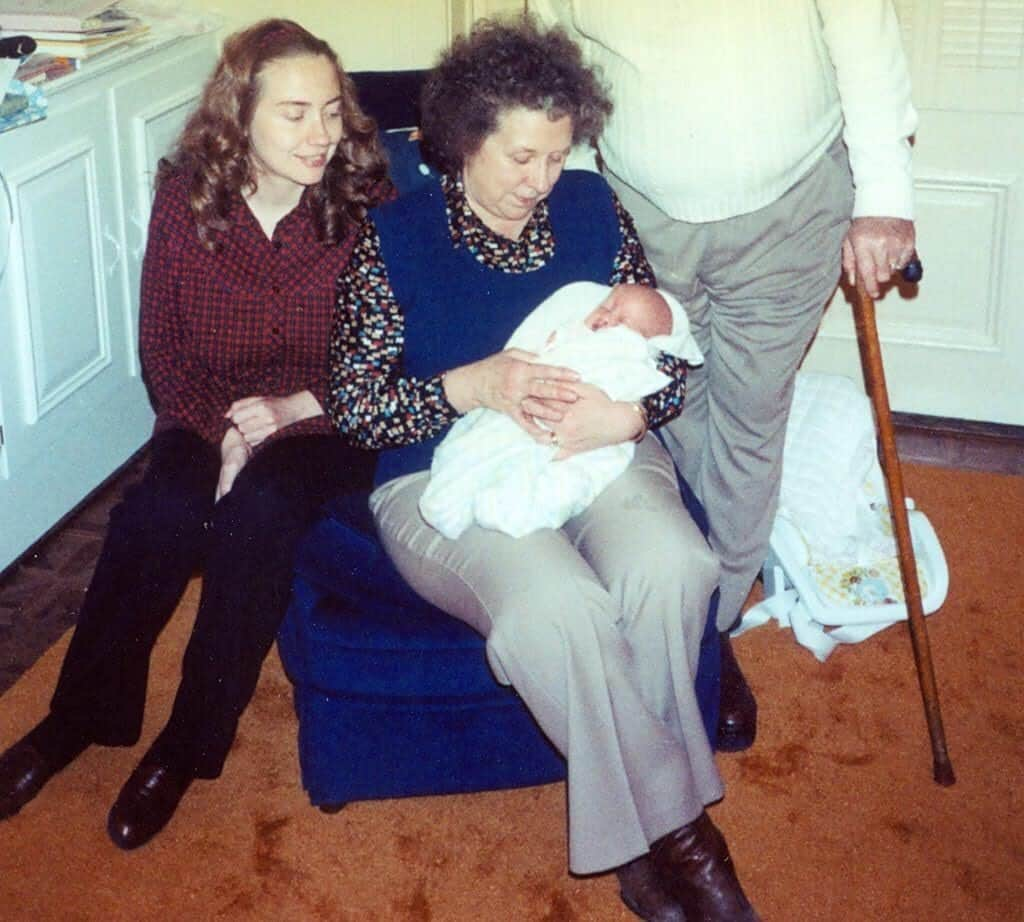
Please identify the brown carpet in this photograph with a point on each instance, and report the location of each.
(832, 816)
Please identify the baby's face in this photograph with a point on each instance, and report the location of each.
(637, 307)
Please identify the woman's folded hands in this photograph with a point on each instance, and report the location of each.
(258, 417)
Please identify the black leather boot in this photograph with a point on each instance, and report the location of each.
(696, 869)
(643, 892)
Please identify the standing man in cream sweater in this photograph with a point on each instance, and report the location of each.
(758, 145)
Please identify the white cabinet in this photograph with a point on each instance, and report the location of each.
(73, 406)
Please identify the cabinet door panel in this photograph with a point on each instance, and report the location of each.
(66, 299)
(72, 411)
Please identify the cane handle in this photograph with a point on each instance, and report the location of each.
(913, 271)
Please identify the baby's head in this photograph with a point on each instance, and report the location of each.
(637, 307)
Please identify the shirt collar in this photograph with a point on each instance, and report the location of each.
(531, 251)
(296, 222)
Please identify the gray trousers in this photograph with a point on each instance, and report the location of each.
(597, 626)
(754, 287)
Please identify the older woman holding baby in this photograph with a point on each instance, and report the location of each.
(597, 624)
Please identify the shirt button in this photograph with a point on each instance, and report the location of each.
(276, 331)
(276, 289)
(278, 244)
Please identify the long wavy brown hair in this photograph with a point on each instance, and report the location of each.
(213, 150)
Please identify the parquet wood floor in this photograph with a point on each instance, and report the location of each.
(40, 594)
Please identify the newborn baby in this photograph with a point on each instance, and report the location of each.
(488, 471)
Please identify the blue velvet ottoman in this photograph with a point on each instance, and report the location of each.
(394, 697)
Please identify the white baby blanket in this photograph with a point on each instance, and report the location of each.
(832, 573)
(488, 471)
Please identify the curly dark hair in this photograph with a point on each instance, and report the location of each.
(501, 65)
(213, 149)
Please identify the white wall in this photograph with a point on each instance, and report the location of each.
(375, 35)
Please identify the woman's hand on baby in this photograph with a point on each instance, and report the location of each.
(511, 383)
(593, 421)
(258, 418)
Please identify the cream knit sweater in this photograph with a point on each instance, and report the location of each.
(722, 105)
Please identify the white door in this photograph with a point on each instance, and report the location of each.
(955, 346)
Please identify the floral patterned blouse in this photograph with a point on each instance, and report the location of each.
(372, 401)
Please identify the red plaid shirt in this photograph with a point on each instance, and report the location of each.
(252, 319)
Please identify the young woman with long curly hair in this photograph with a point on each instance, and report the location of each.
(255, 215)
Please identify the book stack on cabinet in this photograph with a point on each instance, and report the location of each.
(42, 66)
(66, 32)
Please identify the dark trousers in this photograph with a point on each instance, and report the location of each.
(166, 528)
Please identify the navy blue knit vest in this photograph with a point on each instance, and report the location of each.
(457, 310)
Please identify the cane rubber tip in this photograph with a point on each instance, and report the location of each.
(913, 271)
(943, 774)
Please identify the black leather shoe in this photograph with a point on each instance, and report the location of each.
(642, 891)
(695, 867)
(146, 804)
(26, 767)
(737, 708)
(23, 772)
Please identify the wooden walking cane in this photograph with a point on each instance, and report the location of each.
(874, 375)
